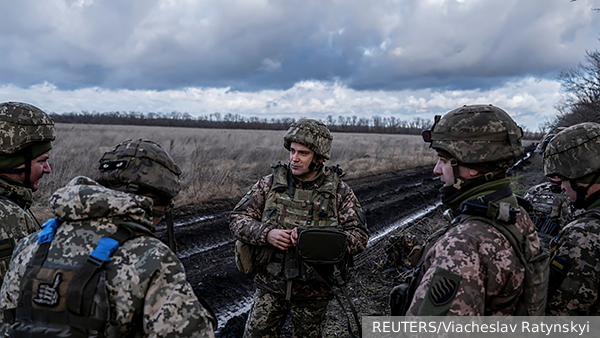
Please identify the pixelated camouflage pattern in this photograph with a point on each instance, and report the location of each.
(541, 147)
(21, 125)
(492, 274)
(310, 133)
(16, 221)
(146, 166)
(573, 153)
(246, 226)
(269, 312)
(146, 282)
(577, 245)
(478, 134)
(550, 210)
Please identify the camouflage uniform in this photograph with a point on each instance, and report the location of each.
(16, 221)
(23, 129)
(146, 282)
(469, 267)
(550, 210)
(489, 272)
(575, 264)
(309, 299)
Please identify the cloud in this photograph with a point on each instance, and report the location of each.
(252, 45)
(529, 101)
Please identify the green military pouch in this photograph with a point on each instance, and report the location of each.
(244, 258)
(321, 245)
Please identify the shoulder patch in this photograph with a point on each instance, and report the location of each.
(244, 200)
(560, 264)
(359, 211)
(442, 290)
(444, 286)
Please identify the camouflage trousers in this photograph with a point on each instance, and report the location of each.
(268, 314)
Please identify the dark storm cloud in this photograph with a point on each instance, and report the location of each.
(253, 45)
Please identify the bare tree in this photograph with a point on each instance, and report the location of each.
(581, 100)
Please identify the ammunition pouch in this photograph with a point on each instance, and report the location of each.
(250, 258)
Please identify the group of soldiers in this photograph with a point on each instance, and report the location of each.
(96, 269)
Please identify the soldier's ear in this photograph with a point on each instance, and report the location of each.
(473, 172)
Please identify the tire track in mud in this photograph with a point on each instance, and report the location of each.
(205, 244)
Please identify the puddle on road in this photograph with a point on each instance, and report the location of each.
(194, 251)
(243, 305)
(409, 219)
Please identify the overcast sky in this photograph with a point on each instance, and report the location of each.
(294, 58)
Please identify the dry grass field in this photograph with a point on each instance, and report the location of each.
(220, 163)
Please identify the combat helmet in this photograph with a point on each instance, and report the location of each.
(26, 132)
(482, 137)
(140, 167)
(573, 154)
(539, 149)
(312, 134)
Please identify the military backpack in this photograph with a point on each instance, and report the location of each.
(66, 301)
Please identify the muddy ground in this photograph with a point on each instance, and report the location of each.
(205, 245)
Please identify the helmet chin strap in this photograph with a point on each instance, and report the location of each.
(458, 180)
(582, 191)
(27, 169)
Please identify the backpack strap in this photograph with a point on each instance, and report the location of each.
(82, 289)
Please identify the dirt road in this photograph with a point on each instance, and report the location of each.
(205, 245)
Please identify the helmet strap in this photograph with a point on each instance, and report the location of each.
(582, 191)
(458, 181)
(171, 230)
(28, 157)
(27, 169)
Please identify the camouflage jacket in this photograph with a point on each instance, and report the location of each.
(246, 226)
(575, 267)
(146, 282)
(16, 221)
(485, 275)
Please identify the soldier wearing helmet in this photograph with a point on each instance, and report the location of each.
(469, 267)
(26, 139)
(550, 207)
(302, 194)
(572, 158)
(97, 269)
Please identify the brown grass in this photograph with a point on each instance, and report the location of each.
(220, 163)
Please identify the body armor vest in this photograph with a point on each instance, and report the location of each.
(289, 207)
(66, 301)
(533, 299)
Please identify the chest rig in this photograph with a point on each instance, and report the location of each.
(291, 207)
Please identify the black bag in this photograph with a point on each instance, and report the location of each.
(321, 245)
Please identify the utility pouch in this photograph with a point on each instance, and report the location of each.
(321, 245)
(244, 257)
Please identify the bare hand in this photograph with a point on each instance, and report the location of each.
(281, 239)
(294, 236)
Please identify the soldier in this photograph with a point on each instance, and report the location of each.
(469, 267)
(550, 207)
(97, 269)
(303, 193)
(572, 158)
(25, 142)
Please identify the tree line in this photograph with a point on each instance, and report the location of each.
(580, 101)
(344, 124)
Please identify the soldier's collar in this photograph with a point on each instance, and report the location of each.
(17, 193)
